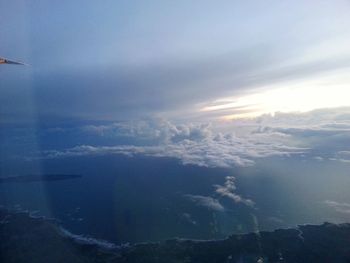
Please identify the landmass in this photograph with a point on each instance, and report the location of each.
(27, 239)
(37, 177)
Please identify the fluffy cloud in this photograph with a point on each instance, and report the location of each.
(342, 156)
(339, 207)
(155, 130)
(318, 135)
(221, 191)
(192, 144)
(323, 121)
(188, 218)
(228, 190)
(206, 201)
(325, 132)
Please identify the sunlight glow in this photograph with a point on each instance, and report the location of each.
(292, 98)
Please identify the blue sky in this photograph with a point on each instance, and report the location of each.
(122, 60)
(211, 84)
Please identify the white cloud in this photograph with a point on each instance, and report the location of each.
(346, 153)
(320, 134)
(88, 240)
(322, 120)
(339, 207)
(157, 130)
(192, 144)
(188, 218)
(206, 201)
(228, 190)
(325, 132)
(340, 160)
(343, 156)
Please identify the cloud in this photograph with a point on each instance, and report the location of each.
(173, 66)
(228, 190)
(197, 144)
(343, 156)
(340, 160)
(206, 201)
(339, 207)
(320, 134)
(188, 218)
(155, 130)
(325, 132)
(88, 240)
(323, 121)
(346, 153)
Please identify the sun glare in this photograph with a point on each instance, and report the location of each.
(292, 98)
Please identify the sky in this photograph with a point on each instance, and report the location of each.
(122, 60)
(212, 84)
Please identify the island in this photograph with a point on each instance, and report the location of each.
(28, 239)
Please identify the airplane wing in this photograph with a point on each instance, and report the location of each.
(7, 61)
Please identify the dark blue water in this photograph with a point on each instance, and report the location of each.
(133, 199)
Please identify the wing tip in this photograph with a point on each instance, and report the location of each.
(12, 62)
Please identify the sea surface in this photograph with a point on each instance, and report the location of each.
(138, 199)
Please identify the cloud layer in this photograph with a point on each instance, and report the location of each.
(192, 144)
(167, 61)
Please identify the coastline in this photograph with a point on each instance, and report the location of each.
(281, 245)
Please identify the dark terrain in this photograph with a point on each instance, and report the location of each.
(38, 177)
(27, 239)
